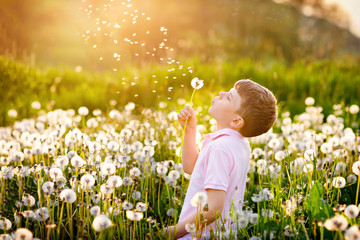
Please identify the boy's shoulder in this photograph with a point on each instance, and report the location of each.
(226, 141)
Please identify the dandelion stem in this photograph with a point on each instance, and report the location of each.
(357, 191)
(306, 234)
(183, 132)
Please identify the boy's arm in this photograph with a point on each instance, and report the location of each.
(189, 152)
(215, 201)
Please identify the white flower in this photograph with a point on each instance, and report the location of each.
(127, 205)
(351, 211)
(199, 200)
(326, 148)
(136, 195)
(356, 168)
(95, 210)
(113, 146)
(106, 189)
(352, 233)
(55, 173)
(254, 218)
(274, 143)
(77, 161)
(174, 174)
(197, 83)
(23, 234)
(5, 224)
(134, 216)
(28, 214)
(36, 105)
(62, 161)
(338, 222)
(135, 172)
(267, 194)
(280, 155)
(83, 111)
(87, 181)
(48, 188)
(352, 178)
(12, 113)
(68, 196)
(354, 109)
(161, 170)
(190, 227)
(171, 212)
(141, 206)
(339, 182)
(28, 200)
(257, 197)
(242, 221)
(107, 168)
(101, 222)
(309, 101)
(114, 181)
(41, 214)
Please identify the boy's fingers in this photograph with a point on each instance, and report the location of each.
(183, 115)
(187, 112)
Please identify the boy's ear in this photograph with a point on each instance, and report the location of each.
(237, 122)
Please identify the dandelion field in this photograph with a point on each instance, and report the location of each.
(90, 143)
(86, 175)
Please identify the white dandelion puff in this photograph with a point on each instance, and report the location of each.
(95, 210)
(68, 195)
(200, 199)
(101, 222)
(196, 83)
(23, 234)
(351, 211)
(134, 216)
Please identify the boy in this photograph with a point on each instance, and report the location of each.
(220, 169)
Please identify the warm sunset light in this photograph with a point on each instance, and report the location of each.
(191, 119)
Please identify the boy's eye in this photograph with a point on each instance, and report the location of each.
(229, 98)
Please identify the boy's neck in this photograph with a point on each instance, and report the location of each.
(219, 127)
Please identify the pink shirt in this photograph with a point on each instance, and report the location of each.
(222, 164)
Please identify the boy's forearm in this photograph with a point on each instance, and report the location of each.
(180, 227)
(189, 152)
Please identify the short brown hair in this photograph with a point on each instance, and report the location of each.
(258, 108)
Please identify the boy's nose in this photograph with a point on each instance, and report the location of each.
(221, 94)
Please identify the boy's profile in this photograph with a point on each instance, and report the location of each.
(220, 169)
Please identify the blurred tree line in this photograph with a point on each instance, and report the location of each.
(211, 29)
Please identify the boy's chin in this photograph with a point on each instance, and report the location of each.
(210, 110)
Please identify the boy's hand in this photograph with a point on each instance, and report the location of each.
(187, 113)
(168, 232)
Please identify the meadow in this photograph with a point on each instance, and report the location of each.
(90, 173)
(333, 81)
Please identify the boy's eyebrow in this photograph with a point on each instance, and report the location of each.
(231, 95)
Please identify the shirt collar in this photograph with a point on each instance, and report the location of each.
(224, 131)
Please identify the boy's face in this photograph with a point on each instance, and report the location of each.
(224, 107)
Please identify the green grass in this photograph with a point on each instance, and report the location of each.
(329, 82)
